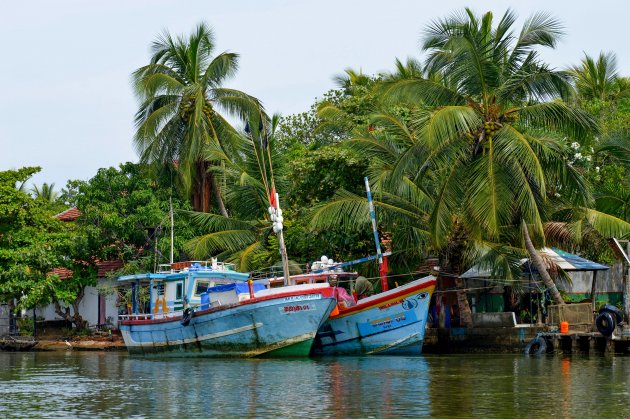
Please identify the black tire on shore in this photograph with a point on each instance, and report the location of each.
(536, 346)
(606, 322)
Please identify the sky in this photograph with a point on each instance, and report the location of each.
(67, 105)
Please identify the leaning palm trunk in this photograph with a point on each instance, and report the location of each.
(540, 266)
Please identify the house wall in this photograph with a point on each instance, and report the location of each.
(608, 285)
(89, 306)
(4, 319)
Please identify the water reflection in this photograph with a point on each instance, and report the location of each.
(91, 384)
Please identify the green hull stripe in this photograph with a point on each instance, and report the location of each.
(297, 349)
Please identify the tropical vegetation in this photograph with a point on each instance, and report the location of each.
(478, 153)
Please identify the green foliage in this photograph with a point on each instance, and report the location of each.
(316, 175)
(32, 243)
(26, 326)
(125, 211)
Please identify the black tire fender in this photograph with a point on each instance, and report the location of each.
(606, 322)
(187, 316)
(536, 346)
(618, 313)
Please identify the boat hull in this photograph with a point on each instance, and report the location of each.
(392, 322)
(284, 325)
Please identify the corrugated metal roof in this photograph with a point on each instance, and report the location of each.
(570, 262)
(566, 261)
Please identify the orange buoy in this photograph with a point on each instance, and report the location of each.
(564, 327)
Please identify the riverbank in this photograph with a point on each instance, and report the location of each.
(112, 342)
(90, 343)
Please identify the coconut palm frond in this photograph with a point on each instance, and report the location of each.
(345, 210)
(222, 241)
(214, 222)
(560, 117)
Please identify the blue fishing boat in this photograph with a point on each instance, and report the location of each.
(389, 322)
(208, 309)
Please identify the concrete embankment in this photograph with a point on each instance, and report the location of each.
(485, 339)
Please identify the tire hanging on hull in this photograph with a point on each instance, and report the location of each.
(536, 346)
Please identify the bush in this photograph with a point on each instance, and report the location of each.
(25, 326)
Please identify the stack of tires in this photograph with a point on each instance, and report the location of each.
(608, 318)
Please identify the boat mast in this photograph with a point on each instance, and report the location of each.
(277, 227)
(373, 217)
(275, 212)
(379, 254)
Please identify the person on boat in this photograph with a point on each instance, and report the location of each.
(363, 288)
(341, 294)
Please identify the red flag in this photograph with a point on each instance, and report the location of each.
(272, 198)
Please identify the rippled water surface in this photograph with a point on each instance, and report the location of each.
(108, 384)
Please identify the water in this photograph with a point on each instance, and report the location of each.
(113, 384)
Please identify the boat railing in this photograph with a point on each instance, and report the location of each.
(149, 316)
(195, 265)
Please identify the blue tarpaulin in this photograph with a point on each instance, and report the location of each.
(238, 287)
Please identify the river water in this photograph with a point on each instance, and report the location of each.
(113, 384)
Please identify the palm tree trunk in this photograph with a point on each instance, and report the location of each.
(204, 187)
(465, 313)
(217, 195)
(540, 266)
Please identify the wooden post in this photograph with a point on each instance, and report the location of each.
(593, 288)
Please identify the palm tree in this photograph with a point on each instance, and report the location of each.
(597, 79)
(488, 126)
(243, 239)
(46, 192)
(485, 147)
(181, 97)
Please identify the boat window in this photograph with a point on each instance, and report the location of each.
(202, 286)
(160, 289)
(179, 291)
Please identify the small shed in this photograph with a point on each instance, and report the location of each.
(588, 281)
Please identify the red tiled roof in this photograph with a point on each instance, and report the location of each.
(70, 214)
(62, 272)
(107, 266)
(104, 267)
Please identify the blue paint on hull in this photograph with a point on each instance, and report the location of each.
(384, 326)
(240, 330)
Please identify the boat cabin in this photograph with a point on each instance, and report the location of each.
(179, 285)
